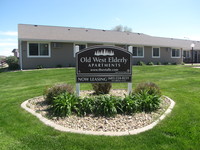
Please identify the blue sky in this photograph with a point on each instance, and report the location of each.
(164, 18)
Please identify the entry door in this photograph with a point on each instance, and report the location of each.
(195, 56)
(198, 56)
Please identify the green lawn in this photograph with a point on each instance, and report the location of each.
(21, 130)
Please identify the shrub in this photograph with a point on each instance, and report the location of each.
(40, 67)
(129, 104)
(147, 102)
(140, 63)
(64, 104)
(146, 97)
(159, 63)
(167, 63)
(101, 88)
(54, 91)
(105, 105)
(119, 104)
(150, 63)
(59, 66)
(85, 106)
(12, 62)
(149, 87)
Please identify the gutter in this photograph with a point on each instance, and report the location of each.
(98, 42)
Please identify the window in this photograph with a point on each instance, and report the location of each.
(186, 54)
(138, 52)
(38, 49)
(176, 53)
(156, 52)
(81, 47)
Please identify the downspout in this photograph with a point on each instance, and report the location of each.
(20, 54)
(181, 55)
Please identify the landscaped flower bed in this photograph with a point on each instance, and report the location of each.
(145, 98)
(113, 112)
(118, 123)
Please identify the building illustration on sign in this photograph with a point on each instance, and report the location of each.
(104, 53)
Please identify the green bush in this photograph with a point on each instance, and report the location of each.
(85, 106)
(64, 104)
(13, 62)
(40, 67)
(175, 63)
(146, 97)
(101, 105)
(159, 63)
(54, 91)
(129, 104)
(150, 63)
(140, 63)
(59, 66)
(101, 88)
(167, 63)
(150, 87)
(147, 102)
(105, 105)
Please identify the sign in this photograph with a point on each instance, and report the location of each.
(86, 79)
(103, 64)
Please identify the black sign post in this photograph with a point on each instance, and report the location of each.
(104, 64)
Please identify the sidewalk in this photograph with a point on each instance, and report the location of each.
(194, 64)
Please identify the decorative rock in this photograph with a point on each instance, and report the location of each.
(119, 123)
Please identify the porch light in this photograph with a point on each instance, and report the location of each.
(192, 45)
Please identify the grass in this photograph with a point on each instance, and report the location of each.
(21, 130)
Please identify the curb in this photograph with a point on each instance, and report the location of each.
(132, 132)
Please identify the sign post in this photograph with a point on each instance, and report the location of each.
(104, 64)
(130, 49)
(76, 50)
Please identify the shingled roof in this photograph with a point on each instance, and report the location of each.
(69, 34)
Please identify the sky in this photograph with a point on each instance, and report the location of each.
(163, 18)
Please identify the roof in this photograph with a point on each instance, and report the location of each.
(70, 34)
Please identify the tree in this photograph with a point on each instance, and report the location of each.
(118, 28)
(13, 62)
(122, 28)
(127, 29)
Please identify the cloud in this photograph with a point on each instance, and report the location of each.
(6, 48)
(8, 40)
(8, 44)
(6, 51)
(9, 33)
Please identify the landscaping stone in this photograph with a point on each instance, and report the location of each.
(119, 123)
